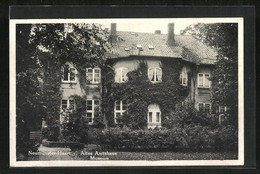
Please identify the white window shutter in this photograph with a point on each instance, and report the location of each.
(150, 73)
(117, 75)
(124, 74)
(159, 73)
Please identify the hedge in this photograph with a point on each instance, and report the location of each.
(192, 137)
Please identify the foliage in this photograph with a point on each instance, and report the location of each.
(84, 47)
(41, 48)
(224, 38)
(192, 137)
(139, 95)
(29, 109)
(74, 124)
(51, 133)
(207, 138)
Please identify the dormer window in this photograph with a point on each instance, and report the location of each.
(121, 75)
(139, 47)
(93, 75)
(69, 74)
(150, 47)
(155, 74)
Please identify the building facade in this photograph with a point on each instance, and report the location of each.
(129, 49)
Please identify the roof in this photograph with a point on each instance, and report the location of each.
(128, 44)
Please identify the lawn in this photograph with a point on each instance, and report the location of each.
(94, 153)
(100, 155)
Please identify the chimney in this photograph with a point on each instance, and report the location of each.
(170, 36)
(113, 29)
(157, 32)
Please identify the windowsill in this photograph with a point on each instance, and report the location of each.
(154, 123)
(156, 82)
(120, 82)
(68, 82)
(93, 83)
(201, 87)
(184, 85)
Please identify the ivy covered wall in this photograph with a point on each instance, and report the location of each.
(139, 91)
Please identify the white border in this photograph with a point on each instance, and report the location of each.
(12, 77)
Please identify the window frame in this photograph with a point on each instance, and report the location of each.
(222, 118)
(154, 74)
(224, 108)
(203, 80)
(182, 78)
(92, 111)
(154, 116)
(121, 74)
(120, 111)
(68, 107)
(204, 108)
(93, 75)
(69, 74)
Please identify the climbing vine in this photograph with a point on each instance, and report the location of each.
(85, 47)
(139, 92)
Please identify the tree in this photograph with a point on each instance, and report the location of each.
(28, 90)
(42, 49)
(84, 45)
(224, 38)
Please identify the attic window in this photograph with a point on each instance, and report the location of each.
(127, 48)
(150, 47)
(139, 47)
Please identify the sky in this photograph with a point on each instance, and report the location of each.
(150, 25)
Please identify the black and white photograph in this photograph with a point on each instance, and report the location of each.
(126, 92)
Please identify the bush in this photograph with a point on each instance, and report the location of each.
(186, 114)
(93, 135)
(75, 128)
(51, 133)
(149, 139)
(202, 138)
(192, 137)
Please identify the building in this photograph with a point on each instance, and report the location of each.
(196, 61)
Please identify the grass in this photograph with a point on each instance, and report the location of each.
(161, 156)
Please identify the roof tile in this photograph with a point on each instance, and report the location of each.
(202, 53)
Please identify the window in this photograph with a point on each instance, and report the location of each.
(68, 104)
(205, 107)
(222, 109)
(92, 105)
(155, 74)
(222, 114)
(150, 47)
(139, 47)
(203, 80)
(201, 107)
(69, 74)
(121, 75)
(120, 108)
(154, 116)
(222, 118)
(93, 75)
(184, 78)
